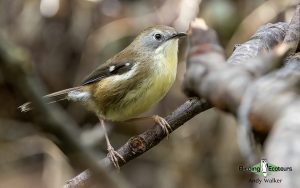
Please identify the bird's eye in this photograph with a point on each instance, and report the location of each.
(158, 36)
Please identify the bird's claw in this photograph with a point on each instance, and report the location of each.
(113, 155)
(163, 124)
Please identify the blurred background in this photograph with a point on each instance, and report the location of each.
(69, 38)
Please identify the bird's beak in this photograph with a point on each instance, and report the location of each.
(177, 35)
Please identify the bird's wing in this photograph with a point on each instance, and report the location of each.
(107, 70)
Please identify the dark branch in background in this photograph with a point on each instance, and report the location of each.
(278, 93)
(275, 103)
(214, 80)
(52, 119)
(262, 41)
(280, 82)
(223, 84)
(258, 17)
(282, 146)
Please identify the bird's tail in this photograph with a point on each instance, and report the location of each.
(51, 98)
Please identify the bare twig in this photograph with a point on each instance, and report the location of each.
(138, 145)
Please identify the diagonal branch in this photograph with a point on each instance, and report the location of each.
(139, 144)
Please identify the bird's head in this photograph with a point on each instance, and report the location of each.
(157, 39)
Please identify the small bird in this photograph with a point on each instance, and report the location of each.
(129, 83)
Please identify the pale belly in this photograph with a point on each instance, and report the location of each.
(147, 92)
(143, 98)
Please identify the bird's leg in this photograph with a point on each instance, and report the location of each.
(112, 154)
(159, 120)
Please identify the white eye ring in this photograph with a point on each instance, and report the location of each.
(158, 37)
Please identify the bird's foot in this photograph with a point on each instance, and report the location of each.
(163, 124)
(114, 155)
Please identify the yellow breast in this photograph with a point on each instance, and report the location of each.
(160, 77)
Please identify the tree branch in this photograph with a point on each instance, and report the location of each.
(208, 75)
(273, 94)
(139, 144)
(292, 36)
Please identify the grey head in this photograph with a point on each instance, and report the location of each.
(153, 37)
